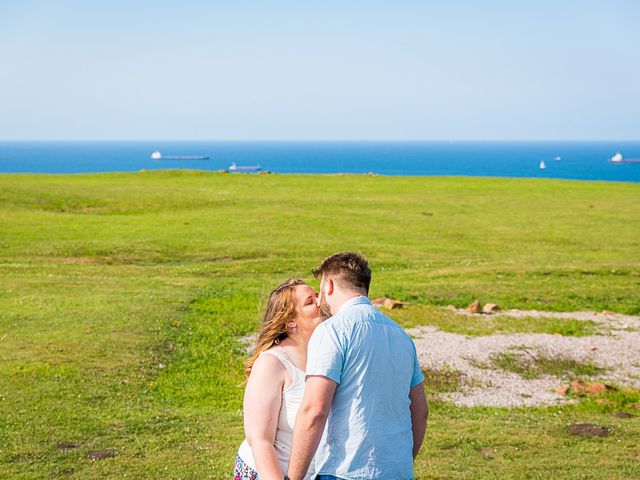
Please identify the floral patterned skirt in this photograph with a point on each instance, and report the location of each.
(242, 471)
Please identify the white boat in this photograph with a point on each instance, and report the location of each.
(542, 165)
(557, 157)
(617, 158)
(158, 156)
(249, 168)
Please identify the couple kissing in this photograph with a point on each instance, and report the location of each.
(334, 389)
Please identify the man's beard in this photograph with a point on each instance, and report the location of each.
(325, 310)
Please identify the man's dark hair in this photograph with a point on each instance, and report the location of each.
(350, 270)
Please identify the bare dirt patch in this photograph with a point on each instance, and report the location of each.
(624, 415)
(588, 430)
(65, 446)
(101, 454)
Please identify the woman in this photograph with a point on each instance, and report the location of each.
(276, 382)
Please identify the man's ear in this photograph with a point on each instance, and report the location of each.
(330, 286)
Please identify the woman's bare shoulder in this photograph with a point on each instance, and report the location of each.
(267, 364)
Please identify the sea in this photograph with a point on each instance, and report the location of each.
(562, 160)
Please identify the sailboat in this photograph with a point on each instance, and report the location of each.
(542, 165)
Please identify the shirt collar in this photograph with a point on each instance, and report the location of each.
(361, 300)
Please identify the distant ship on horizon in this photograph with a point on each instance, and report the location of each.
(618, 158)
(249, 168)
(158, 156)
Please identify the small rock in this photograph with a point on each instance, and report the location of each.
(593, 349)
(474, 307)
(588, 430)
(451, 307)
(393, 304)
(378, 302)
(387, 303)
(562, 390)
(624, 415)
(577, 386)
(596, 387)
(490, 308)
(100, 454)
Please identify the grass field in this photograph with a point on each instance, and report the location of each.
(123, 297)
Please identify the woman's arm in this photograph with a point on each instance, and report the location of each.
(262, 400)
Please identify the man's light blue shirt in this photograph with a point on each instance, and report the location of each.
(374, 362)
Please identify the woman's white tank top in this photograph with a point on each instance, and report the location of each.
(291, 400)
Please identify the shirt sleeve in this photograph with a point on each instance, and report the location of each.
(418, 377)
(325, 355)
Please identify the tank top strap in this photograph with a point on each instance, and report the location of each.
(284, 359)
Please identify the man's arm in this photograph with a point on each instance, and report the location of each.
(310, 422)
(419, 413)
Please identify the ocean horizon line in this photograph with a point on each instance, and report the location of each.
(143, 140)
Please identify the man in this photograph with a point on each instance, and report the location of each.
(363, 381)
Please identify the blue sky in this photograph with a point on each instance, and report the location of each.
(299, 70)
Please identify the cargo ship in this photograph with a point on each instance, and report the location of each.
(618, 158)
(249, 168)
(158, 156)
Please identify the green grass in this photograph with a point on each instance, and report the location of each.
(534, 365)
(479, 325)
(444, 380)
(123, 296)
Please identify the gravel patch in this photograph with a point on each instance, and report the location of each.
(618, 352)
